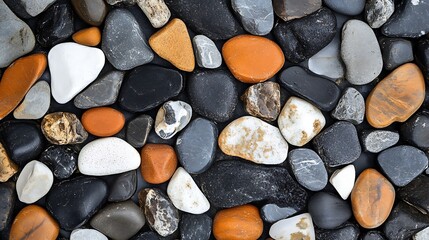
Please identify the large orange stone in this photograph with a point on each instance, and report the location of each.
(372, 198)
(18, 79)
(88, 36)
(252, 59)
(35, 223)
(238, 223)
(103, 121)
(158, 163)
(173, 44)
(396, 97)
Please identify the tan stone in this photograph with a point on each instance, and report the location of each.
(63, 128)
(7, 167)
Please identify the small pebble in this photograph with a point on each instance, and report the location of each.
(257, 17)
(156, 11)
(262, 100)
(414, 193)
(328, 211)
(347, 231)
(350, 107)
(171, 118)
(351, 7)
(343, 180)
(92, 12)
(28, 9)
(7, 194)
(103, 121)
(376, 141)
(62, 128)
(124, 187)
(422, 235)
(36, 102)
(373, 235)
(289, 9)
(84, 234)
(158, 163)
(7, 167)
(90, 37)
(195, 227)
(138, 130)
(272, 212)
(297, 227)
(414, 130)
(327, 62)
(377, 12)
(62, 160)
(206, 53)
(396, 51)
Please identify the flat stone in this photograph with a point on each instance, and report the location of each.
(156, 11)
(92, 12)
(171, 118)
(414, 130)
(253, 139)
(338, 144)
(83, 234)
(360, 52)
(119, 220)
(290, 9)
(300, 226)
(422, 235)
(62, 160)
(195, 227)
(158, 163)
(257, 17)
(263, 100)
(36, 102)
(343, 180)
(7, 194)
(123, 187)
(16, 39)
(272, 213)
(378, 12)
(328, 211)
(396, 51)
(103, 121)
(138, 130)
(353, 7)
(34, 182)
(206, 53)
(350, 107)
(373, 235)
(28, 8)
(102, 92)
(327, 62)
(123, 41)
(7, 167)
(62, 128)
(107, 156)
(90, 37)
(347, 231)
(376, 141)
(414, 192)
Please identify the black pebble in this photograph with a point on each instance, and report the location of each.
(416, 193)
(124, 186)
(62, 160)
(346, 232)
(138, 130)
(416, 130)
(422, 55)
(328, 211)
(7, 196)
(195, 227)
(373, 235)
(395, 51)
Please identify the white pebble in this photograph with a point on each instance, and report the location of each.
(343, 180)
(34, 182)
(298, 227)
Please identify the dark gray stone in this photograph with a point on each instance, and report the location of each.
(422, 55)
(7, 196)
(350, 107)
(138, 130)
(415, 193)
(146, 236)
(292, 9)
(377, 12)
(395, 51)
(328, 211)
(62, 160)
(124, 186)
(373, 235)
(257, 16)
(195, 227)
(416, 130)
(376, 141)
(349, 7)
(346, 232)
(272, 212)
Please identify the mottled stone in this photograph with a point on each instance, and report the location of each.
(396, 51)
(7, 194)
(206, 52)
(156, 11)
(350, 107)
(297, 227)
(377, 12)
(36, 102)
(263, 100)
(7, 167)
(34, 182)
(63, 128)
(291, 9)
(257, 17)
(376, 141)
(92, 12)
(62, 160)
(195, 227)
(272, 212)
(414, 193)
(328, 211)
(138, 130)
(171, 118)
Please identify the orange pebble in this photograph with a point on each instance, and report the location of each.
(88, 36)
(103, 121)
(158, 163)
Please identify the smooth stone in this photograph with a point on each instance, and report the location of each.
(171, 118)
(219, 99)
(422, 55)
(206, 53)
(36, 102)
(195, 227)
(196, 146)
(414, 130)
(255, 140)
(272, 212)
(18, 79)
(185, 194)
(90, 37)
(84, 234)
(73, 67)
(338, 144)
(321, 92)
(308, 169)
(138, 130)
(328, 211)
(156, 11)
(34, 182)
(205, 20)
(262, 100)
(62, 128)
(107, 156)
(300, 121)
(7, 194)
(103, 121)
(353, 7)
(343, 180)
(409, 20)
(122, 27)
(297, 227)
(121, 2)
(119, 220)
(373, 235)
(124, 187)
(242, 222)
(348, 231)
(292, 9)
(248, 182)
(62, 160)
(422, 235)
(377, 12)
(158, 163)
(376, 141)
(22, 140)
(160, 213)
(360, 52)
(7, 167)
(396, 51)
(146, 236)
(29, 8)
(414, 193)
(92, 12)
(257, 17)
(350, 107)
(147, 87)
(55, 25)
(302, 38)
(102, 92)
(327, 62)
(73, 202)
(34, 222)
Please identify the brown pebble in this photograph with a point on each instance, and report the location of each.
(7, 167)
(103, 121)
(89, 36)
(158, 163)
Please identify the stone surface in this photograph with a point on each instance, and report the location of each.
(396, 51)
(119, 220)
(290, 9)
(62, 160)
(16, 39)
(422, 55)
(63, 128)
(103, 121)
(414, 130)
(147, 87)
(252, 59)
(17, 80)
(347, 231)
(376, 141)
(158, 163)
(138, 130)
(257, 17)
(90, 37)
(171, 118)
(7, 167)
(107, 156)
(28, 8)
(272, 212)
(206, 53)
(338, 144)
(414, 193)
(378, 12)
(422, 235)
(360, 52)
(102, 92)
(353, 7)
(350, 107)
(298, 227)
(121, 2)
(328, 211)
(343, 180)
(123, 187)
(7, 194)
(308, 169)
(253, 139)
(373, 235)
(34, 182)
(195, 227)
(156, 11)
(92, 12)
(83, 234)
(263, 100)
(300, 121)
(242, 222)
(123, 41)
(36, 102)
(233, 183)
(173, 44)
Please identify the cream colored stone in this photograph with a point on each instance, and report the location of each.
(7, 167)
(294, 228)
(156, 11)
(34, 182)
(343, 180)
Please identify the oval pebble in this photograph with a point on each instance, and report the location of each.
(34, 182)
(84, 234)
(297, 227)
(36, 103)
(103, 121)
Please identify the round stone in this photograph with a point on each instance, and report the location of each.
(378, 12)
(158, 163)
(171, 118)
(103, 121)
(257, 17)
(396, 51)
(350, 107)
(36, 102)
(90, 37)
(376, 141)
(156, 11)
(195, 227)
(352, 7)
(63, 128)
(272, 213)
(92, 12)
(124, 187)
(414, 130)
(138, 130)
(206, 52)
(290, 9)
(343, 180)
(34, 182)
(297, 227)
(62, 160)
(83, 234)
(262, 100)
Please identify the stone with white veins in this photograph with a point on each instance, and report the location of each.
(172, 117)
(185, 194)
(34, 182)
(156, 11)
(257, 16)
(376, 141)
(343, 180)
(350, 107)
(360, 52)
(36, 102)
(206, 52)
(87, 234)
(300, 121)
(377, 12)
(107, 156)
(297, 227)
(73, 67)
(255, 140)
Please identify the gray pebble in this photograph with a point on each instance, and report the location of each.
(376, 141)
(206, 52)
(350, 107)
(36, 102)
(377, 12)
(257, 16)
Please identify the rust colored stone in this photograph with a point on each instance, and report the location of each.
(159, 162)
(252, 59)
(396, 97)
(18, 79)
(63, 128)
(103, 121)
(88, 36)
(237, 223)
(173, 44)
(7, 167)
(35, 223)
(372, 198)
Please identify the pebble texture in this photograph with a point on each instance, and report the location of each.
(28, 8)
(63, 128)
(195, 227)
(350, 107)
(156, 11)
(62, 160)
(171, 118)
(36, 102)
(262, 100)
(34, 182)
(351, 7)
(124, 187)
(328, 211)
(300, 226)
(257, 17)
(103, 121)
(377, 12)
(138, 130)
(90, 37)
(7, 167)
(290, 9)
(7, 194)
(206, 53)
(396, 51)
(376, 141)
(92, 12)
(414, 192)
(414, 130)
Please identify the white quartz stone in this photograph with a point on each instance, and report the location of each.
(34, 182)
(87, 234)
(206, 52)
(171, 118)
(156, 11)
(298, 227)
(36, 102)
(343, 180)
